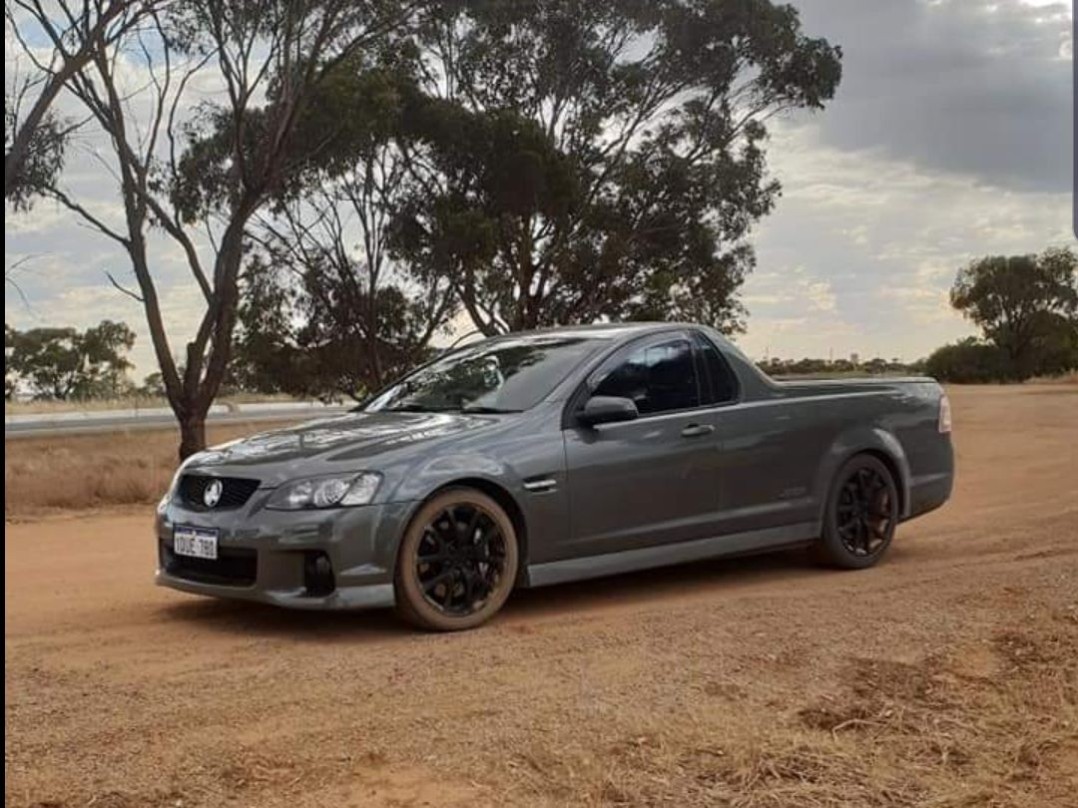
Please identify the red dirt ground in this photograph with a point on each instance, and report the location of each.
(947, 676)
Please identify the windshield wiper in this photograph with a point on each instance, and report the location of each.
(477, 409)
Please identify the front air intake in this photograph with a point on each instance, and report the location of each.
(318, 574)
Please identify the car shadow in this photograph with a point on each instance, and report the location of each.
(577, 598)
(663, 583)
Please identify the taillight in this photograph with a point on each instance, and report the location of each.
(945, 415)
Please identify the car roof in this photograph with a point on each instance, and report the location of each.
(601, 331)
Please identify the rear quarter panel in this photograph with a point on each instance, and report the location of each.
(781, 452)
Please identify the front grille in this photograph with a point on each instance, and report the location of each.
(233, 566)
(235, 491)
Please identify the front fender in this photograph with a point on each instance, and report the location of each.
(426, 477)
(857, 440)
(528, 469)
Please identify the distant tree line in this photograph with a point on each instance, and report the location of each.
(66, 364)
(877, 366)
(1026, 306)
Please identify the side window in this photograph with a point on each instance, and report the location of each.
(658, 378)
(722, 382)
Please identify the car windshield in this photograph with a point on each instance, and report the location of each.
(502, 375)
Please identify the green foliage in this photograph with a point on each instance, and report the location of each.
(969, 361)
(535, 162)
(43, 160)
(1027, 308)
(153, 386)
(65, 364)
(599, 159)
(321, 331)
(1056, 346)
(807, 367)
(317, 112)
(326, 312)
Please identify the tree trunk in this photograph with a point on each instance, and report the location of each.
(192, 435)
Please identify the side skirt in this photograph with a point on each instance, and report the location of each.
(577, 569)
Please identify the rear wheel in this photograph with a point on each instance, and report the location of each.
(862, 514)
(457, 561)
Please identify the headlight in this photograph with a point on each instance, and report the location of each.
(336, 491)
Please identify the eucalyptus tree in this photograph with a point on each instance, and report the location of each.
(65, 363)
(581, 159)
(53, 41)
(206, 112)
(1026, 307)
(326, 310)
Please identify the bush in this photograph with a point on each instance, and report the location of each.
(969, 362)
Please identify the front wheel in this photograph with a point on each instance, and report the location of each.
(457, 563)
(861, 516)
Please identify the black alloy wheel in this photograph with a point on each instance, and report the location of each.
(862, 514)
(866, 511)
(460, 559)
(457, 563)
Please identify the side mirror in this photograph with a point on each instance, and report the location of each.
(607, 410)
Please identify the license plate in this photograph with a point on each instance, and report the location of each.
(195, 542)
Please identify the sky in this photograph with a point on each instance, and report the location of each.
(949, 138)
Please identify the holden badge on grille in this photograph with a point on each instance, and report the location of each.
(212, 495)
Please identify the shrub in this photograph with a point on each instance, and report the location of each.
(969, 361)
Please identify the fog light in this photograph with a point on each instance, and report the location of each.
(318, 574)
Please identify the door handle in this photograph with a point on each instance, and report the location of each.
(697, 430)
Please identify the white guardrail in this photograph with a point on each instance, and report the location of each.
(88, 417)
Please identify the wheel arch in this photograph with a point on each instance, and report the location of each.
(875, 442)
(506, 500)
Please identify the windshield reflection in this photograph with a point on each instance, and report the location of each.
(501, 375)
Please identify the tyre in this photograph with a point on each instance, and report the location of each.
(861, 515)
(457, 562)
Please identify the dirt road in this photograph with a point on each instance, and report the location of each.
(948, 676)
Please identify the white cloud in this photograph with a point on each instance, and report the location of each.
(861, 250)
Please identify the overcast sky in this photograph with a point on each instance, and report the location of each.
(950, 138)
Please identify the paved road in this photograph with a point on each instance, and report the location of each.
(86, 423)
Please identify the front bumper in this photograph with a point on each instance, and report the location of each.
(266, 556)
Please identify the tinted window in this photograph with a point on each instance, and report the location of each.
(504, 374)
(722, 381)
(659, 378)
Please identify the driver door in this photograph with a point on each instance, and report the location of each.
(653, 480)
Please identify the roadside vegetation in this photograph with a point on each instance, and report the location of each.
(82, 472)
(853, 367)
(1025, 306)
(373, 173)
(513, 165)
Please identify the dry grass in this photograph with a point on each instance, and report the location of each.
(1066, 378)
(79, 472)
(991, 726)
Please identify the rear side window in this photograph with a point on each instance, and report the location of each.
(721, 383)
(658, 378)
